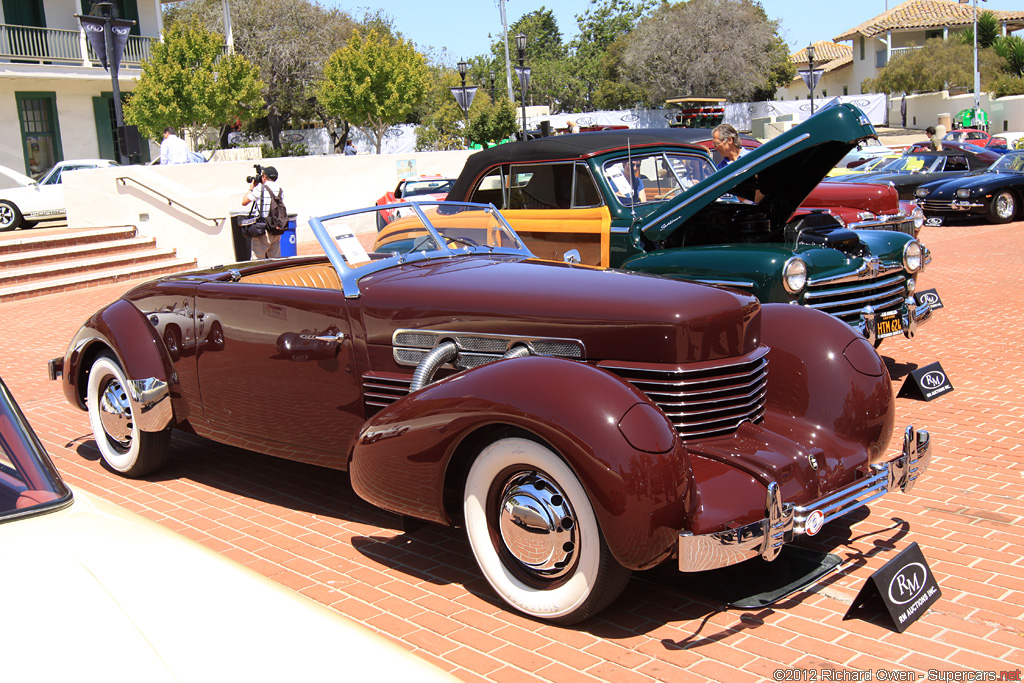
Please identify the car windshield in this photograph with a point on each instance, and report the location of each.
(1009, 163)
(28, 480)
(423, 230)
(915, 163)
(647, 178)
(413, 188)
(879, 164)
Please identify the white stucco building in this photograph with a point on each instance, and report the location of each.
(56, 101)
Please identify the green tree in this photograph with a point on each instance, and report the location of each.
(290, 41)
(988, 31)
(440, 118)
(189, 85)
(1011, 49)
(374, 82)
(938, 65)
(725, 48)
(597, 53)
(490, 121)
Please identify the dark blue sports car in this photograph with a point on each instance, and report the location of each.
(995, 193)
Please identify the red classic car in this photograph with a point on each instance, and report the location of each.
(860, 206)
(579, 423)
(432, 188)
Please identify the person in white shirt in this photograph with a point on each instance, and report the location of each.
(173, 149)
(726, 141)
(265, 245)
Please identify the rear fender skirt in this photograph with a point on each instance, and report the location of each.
(623, 450)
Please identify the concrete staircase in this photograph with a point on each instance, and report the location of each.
(44, 261)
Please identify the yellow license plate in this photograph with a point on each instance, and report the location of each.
(889, 324)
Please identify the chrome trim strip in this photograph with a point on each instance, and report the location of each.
(860, 286)
(783, 521)
(865, 271)
(498, 344)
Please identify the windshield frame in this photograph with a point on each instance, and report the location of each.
(1005, 159)
(350, 275)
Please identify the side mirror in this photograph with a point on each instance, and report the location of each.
(572, 256)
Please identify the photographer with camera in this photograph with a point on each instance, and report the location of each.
(261, 186)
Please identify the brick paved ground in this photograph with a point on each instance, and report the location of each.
(305, 528)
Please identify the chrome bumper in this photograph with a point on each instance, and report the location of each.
(784, 521)
(911, 315)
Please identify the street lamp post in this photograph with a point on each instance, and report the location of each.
(464, 95)
(524, 75)
(463, 67)
(108, 36)
(492, 84)
(810, 73)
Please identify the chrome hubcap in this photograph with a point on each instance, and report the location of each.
(1004, 206)
(537, 525)
(116, 414)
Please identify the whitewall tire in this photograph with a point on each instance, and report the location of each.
(534, 534)
(125, 448)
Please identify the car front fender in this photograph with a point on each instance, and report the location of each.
(829, 389)
(411, 458)
(123, 329)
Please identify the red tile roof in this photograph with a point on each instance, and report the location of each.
(827, 56)
(928, 14)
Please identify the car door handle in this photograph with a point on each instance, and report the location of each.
(337, 338)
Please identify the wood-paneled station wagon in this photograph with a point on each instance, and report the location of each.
(579, 423)
(651, 201)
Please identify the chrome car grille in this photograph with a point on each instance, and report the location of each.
(381, 390)
(904, 225)
(411, 346)
(845, 300)
(706, 400)
(935, 204)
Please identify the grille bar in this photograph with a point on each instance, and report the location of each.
(841, 300)
(706, 401)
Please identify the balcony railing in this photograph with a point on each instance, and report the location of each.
(897, 51)
(60, 46)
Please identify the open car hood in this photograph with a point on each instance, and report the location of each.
(778, 176)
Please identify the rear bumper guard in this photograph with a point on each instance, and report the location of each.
(784, 521)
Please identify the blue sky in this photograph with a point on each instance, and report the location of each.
(460, 27)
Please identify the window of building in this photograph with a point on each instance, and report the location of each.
(40, 133)
(846, 90)
(880, 60)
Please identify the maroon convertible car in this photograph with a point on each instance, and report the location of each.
(579, 423)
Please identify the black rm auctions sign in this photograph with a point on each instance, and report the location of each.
(905, 586)
(927, 383)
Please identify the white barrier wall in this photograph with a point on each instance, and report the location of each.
(1004, 113)
(188, 206)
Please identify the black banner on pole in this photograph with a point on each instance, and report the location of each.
(95, 28)
(119, 31)
(524, 78)
(464, 96)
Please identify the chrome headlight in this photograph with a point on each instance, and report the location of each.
(912, 256)
(922, 191)
(794, 275)
(963, 193)
(918, 216)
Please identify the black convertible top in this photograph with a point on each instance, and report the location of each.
(568, 147)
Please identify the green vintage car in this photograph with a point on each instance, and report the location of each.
(652, 201)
